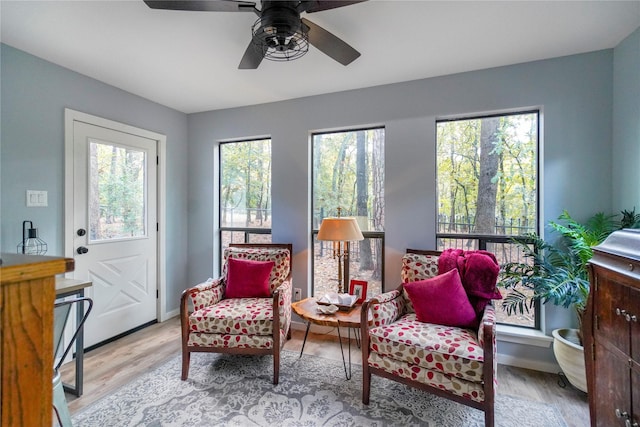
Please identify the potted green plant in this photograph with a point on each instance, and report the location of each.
(557, 273)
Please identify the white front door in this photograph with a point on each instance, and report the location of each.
(114, 227)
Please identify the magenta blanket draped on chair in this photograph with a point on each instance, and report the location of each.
(478, 272)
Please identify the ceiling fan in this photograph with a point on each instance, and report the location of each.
(279, 34)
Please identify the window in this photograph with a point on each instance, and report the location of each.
(487, 179)
(245, 192)
(348, 173)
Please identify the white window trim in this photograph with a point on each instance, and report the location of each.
(520, 335)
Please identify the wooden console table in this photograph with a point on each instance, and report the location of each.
(26, 335)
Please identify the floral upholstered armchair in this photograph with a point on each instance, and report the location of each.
(245, 311)
(410, 337)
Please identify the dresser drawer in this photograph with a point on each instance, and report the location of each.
(610, 307)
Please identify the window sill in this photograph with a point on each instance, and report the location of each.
(518, 335)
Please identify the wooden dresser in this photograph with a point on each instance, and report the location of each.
(26, 330)
(612, 331)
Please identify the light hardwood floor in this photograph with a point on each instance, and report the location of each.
(113, 365)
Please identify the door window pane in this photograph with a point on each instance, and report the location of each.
(117, 192)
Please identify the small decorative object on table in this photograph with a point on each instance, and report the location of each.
(344, 302)
(327, 309)
(358, 288)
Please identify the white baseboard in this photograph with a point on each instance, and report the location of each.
(299, 326)
(536, 365)
(316, 329)
(169, 315)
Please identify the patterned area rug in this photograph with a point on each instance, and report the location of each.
(226, 390)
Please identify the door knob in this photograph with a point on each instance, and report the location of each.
(81, 231)
(82, 250)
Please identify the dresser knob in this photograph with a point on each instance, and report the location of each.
(630, 267)
(622, 414)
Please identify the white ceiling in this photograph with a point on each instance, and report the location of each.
(189, 60)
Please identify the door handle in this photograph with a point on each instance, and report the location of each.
(82, 250)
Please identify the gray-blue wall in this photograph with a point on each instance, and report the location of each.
(575, 97)
(590, 145)
(34, 95)
(626, 124)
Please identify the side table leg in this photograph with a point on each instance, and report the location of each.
(305, 338)
(344, 363)
(349, 346)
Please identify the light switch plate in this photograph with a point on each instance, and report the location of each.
(36, 198)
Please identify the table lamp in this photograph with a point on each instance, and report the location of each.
(340, 230)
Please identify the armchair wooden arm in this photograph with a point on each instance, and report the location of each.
(487, 338)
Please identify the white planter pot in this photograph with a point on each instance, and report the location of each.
(570, 356)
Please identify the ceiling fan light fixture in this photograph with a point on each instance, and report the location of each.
(279, 35)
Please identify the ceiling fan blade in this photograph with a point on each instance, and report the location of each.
(203, 5)
(251, 58)
(330, 44)
(319, 5)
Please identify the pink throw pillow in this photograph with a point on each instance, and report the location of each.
(442, 300)
(248, 279)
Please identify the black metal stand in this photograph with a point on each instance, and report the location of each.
(77, 388)
(562, 380)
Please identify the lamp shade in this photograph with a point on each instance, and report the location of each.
(343, 229)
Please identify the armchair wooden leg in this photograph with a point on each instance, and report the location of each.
(186, 357)
(366, 384)
(276, 367)
(489, 416)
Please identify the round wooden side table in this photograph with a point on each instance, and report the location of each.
(307, 309)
